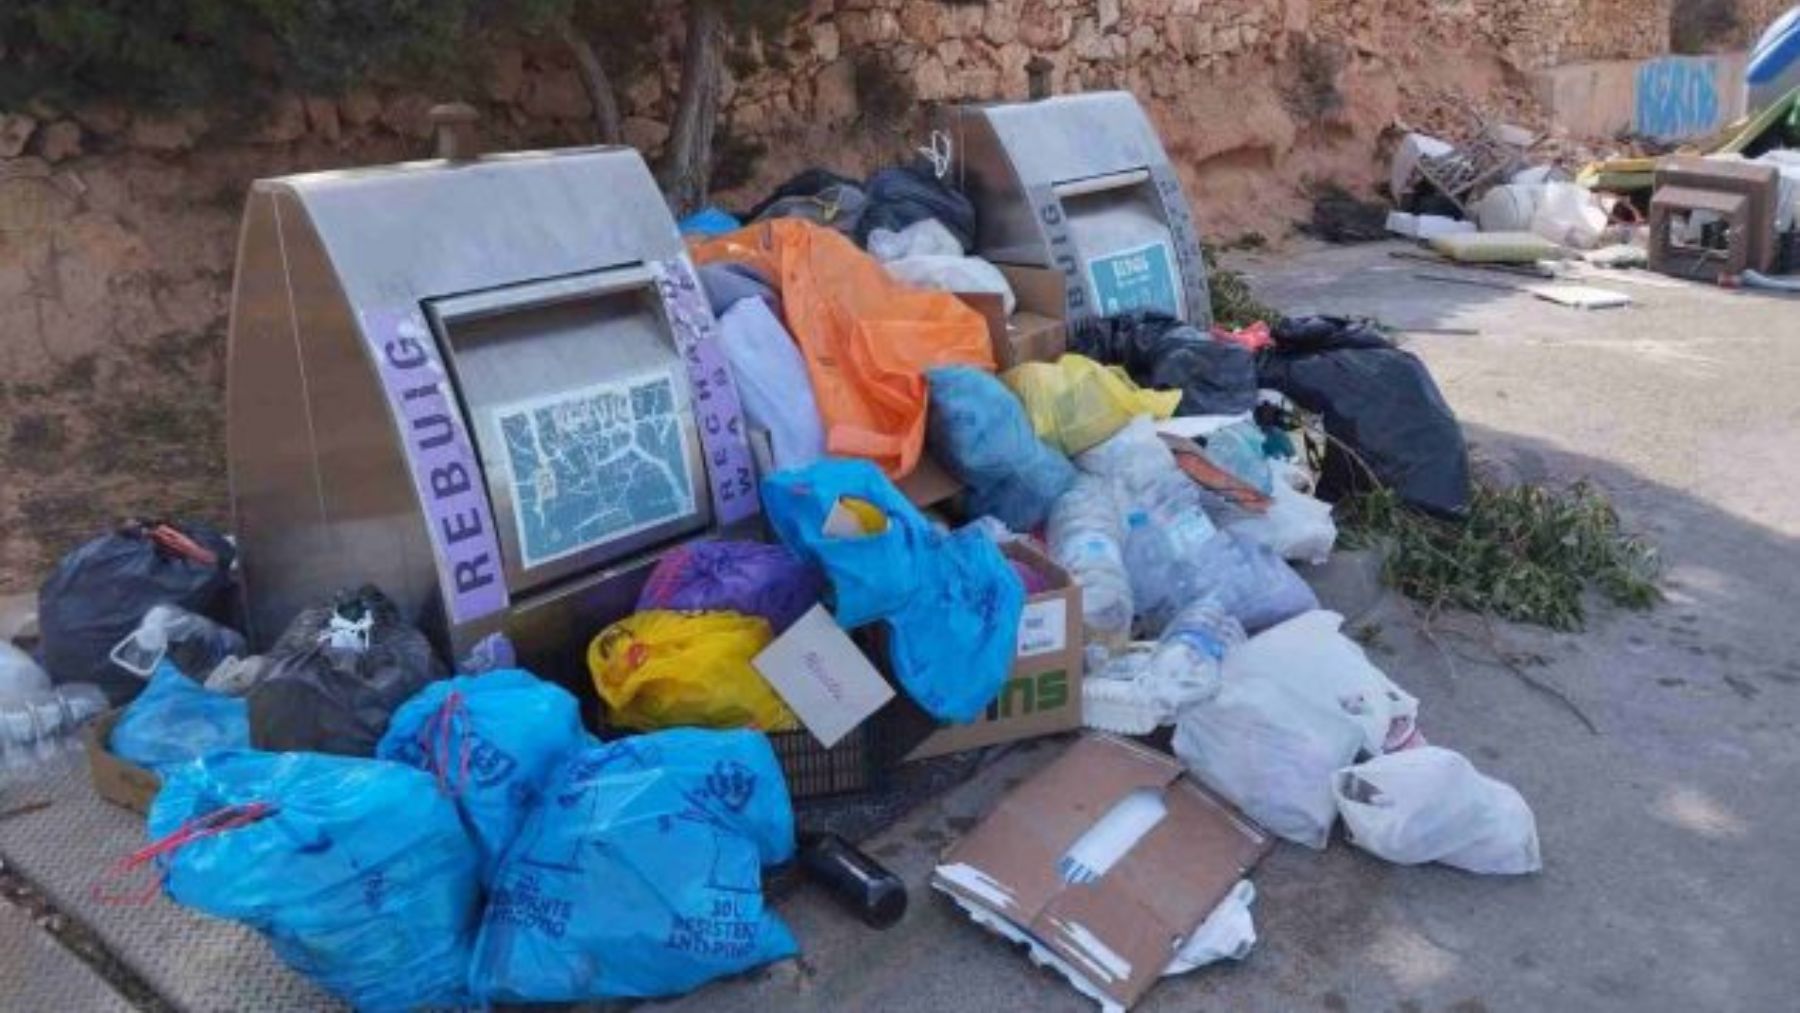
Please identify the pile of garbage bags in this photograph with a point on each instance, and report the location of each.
(409, 836)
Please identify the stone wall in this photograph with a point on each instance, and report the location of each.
(117, 230)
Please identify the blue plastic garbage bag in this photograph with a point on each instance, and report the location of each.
(640, 873)
(709, 221)
(952, 646)
(980, 431)
(358, 871)
(871, 575)
(175, 720)
(490, 741)
(951, 601)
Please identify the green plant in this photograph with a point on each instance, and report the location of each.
(1525, 553)
(172, 52)
(1233, 304)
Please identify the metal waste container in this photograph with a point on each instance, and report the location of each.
(488, 387)
(1081, 184)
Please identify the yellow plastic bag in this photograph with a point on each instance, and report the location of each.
(662, 669)
(1075, 402)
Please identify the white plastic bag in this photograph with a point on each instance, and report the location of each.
(926, 237)
(20, 677)
(1228, 933)
(954, 274)
(1569, 215)
(1308, 655)
(1272, 752)
(927, 255)
(772, 380)
(1431, 805)
(1298, 527)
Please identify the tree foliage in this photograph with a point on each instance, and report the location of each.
(173, 52)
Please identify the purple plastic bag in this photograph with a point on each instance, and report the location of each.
(746, 577)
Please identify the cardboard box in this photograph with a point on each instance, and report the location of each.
(927, 486)
(1042, 695)
(116, 780)
(1028, 870)
(1037, 331)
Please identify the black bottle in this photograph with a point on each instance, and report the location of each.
(860, 884)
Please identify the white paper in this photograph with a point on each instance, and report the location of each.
(1043, 627)
(823, 677)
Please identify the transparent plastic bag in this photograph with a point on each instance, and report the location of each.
(1431, 805)
(1296, 526)
(1238, 448)
(190, 642)
(20, 676)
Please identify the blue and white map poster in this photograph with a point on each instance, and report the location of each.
(595, 465)
(1141, 278)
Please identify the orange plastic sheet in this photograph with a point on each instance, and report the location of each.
(867, 339)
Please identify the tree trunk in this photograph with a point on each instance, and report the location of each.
(599, 87)
(689, 165)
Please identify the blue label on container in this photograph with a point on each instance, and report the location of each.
(1137, 279)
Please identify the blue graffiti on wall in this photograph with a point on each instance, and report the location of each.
(1677, 98)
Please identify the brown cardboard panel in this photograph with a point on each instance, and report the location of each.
(1031, 337)
(115, 780)
(929, 484)
(1121, 930)
(1042, 695)
(1040, 290)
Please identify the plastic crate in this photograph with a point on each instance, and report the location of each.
(853, 765)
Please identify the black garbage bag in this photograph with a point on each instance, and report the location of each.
(903, 195)
(1214, 377)
(806, 183)
(1380, 402)
(819, 196)
(336, 676)
(99, 593)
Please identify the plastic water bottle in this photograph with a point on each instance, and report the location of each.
(1087, 538)
(40, 730)
(1185, 667)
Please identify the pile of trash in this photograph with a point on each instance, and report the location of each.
(1723, 209)
(1121, 540)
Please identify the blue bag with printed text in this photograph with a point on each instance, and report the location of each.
(490, 741)
(639, 873)
(357, 871)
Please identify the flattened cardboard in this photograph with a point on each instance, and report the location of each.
(929, 484)
(1042, 695)
(1028, 336)
(1031, 337)
(1119, 931)
(823, 677)
(115, 780)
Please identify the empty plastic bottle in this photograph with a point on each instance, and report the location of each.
(1185, 667)
(40, 730)
(1087, 538)
(1145, 686)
